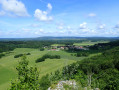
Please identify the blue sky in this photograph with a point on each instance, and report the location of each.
(37, 18)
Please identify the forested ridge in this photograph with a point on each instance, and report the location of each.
(101, 71)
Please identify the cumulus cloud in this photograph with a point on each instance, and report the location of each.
(91, 14)
(38, 32)
(49, 6)
(43, 15)
(83, 25)
(13, 7)
(102, 26)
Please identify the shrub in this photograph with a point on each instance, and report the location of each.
(40, 60)
(28, 54)
(47, 56)
(85, 54)
(28, 77)
(17, 56)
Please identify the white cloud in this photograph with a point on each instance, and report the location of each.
(43, 15)
(60, 27)
(40, 31)
(101, 26)
(13, 7)
(83, 25)
(91, 14)
(49, 6)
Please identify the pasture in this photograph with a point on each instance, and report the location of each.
(8, 64)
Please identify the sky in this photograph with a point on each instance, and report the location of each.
(79, 18)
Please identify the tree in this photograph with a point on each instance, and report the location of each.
(28, 77)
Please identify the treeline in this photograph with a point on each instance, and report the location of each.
(20, 55)
(105, 46)
(97, 48)
(80, 54)
(47, 56)
(11, 45)
(101, 71)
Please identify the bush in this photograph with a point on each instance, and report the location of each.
(85, 54)
(28, 54)
(17, 56)
(40, 60)
(47, 56)
(28, 77)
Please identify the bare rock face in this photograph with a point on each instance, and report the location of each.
(60, 85)
(71, 84)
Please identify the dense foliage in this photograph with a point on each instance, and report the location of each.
(28, 77)
(104, 46)
(47, 56)
(80, 54)
(20, 55)
(100, 71)
(11, 45)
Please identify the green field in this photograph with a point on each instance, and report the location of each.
(89, 43)
(8, 64)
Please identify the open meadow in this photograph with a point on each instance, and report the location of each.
(8, 63)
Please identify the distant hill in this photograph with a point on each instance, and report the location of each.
(59, 38)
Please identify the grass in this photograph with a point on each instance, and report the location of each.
(89, 43)
(65, 55)
(9, 63)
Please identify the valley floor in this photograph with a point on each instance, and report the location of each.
(8, 64)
